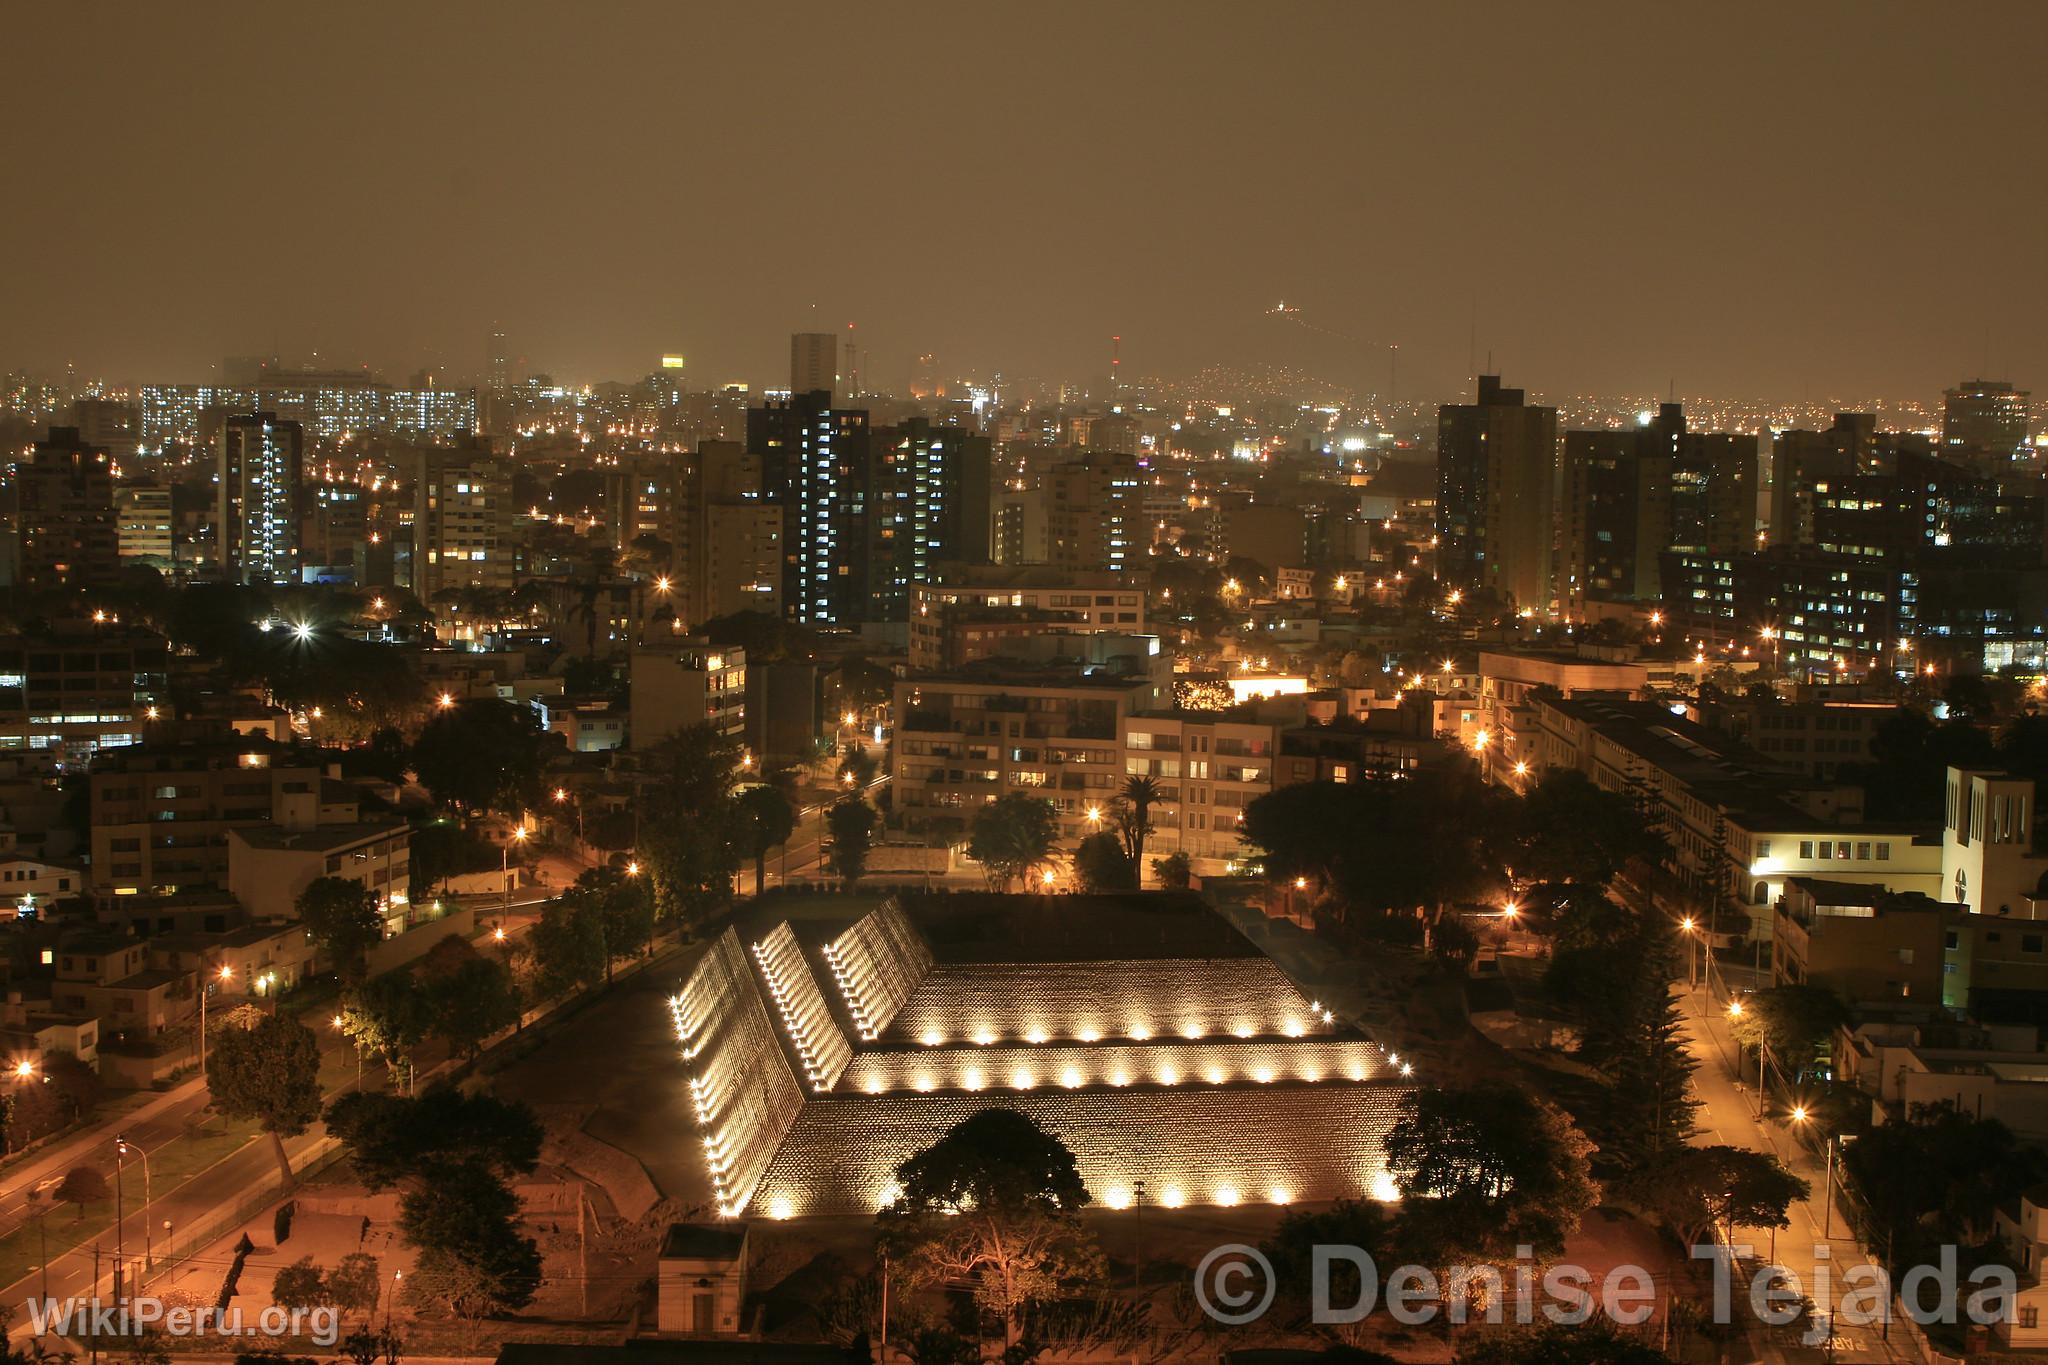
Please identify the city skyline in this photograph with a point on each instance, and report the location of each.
(1169, 177)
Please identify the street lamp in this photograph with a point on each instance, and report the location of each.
(505, 869)
(1735, 1011)
(226, 973)
(445, 700)
(1799, 1115)
(1688, 926)
(122, 1147)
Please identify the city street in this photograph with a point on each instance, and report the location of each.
(1728, 1116)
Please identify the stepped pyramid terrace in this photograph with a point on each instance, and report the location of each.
(1144, 1030)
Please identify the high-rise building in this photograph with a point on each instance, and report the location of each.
(1617, 516)
(816, 464)
(1093, 515)
(64, 514)
(1802, 460)
(461, 523)
(1984, 423)
(931, 507)
(142, 514)
(1497, 474)
(112, 426)
(733, 537)
(257, 519)
(813, 363)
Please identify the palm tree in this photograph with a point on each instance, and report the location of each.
(1134, 817)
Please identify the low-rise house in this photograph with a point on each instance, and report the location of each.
(110, 979)
(259, 959)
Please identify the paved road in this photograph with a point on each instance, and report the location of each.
(1727, 1115)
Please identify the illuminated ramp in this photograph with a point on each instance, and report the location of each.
(744, 1090)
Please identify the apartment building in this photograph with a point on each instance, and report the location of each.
(269, 866)
(77, 691)
(970, 606)
(1208, 767)
(160, 816)
(1057, 731)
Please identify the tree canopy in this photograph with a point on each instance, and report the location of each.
(1012, 837)
(995, 1202)
(341, 914)
(269, 1074)
(1499, 1166)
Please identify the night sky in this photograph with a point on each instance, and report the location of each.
(1773, 200)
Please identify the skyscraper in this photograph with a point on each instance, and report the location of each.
(1617, 516)
(1497, 474)
(732, 536)
(1093, 514)
(814, 363)
(1984, 423)
(816, 464)
(931, 507)
(462, 515)
(64, 514)
(257, 516)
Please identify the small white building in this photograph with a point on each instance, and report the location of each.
(701, 1279)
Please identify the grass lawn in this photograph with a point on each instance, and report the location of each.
(171, 1165)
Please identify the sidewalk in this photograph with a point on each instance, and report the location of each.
(1727, 1116)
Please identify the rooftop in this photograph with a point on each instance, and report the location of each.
(316, 838)
(704, 1241)
(977, 927)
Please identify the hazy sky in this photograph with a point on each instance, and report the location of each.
(1784, 200)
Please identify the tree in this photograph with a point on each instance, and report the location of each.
(470, 996)
(393, 1139)
(1795, 1022)
(300, 1285)
(606, 914)
(481, 754)
(689, 843)
(1499, 1166)
(341, 915)
(1697, 1189)
(766, 820)
(82, 1185)
(452, 1156)
(1133, 809)
(852, 823)
(1012, 836)
(465, 1224)
(1938, 1178)
(1596, 1341)
(1102, 864)
(994, 1201)
(1174, 872)
(1381, 845)
(1614, 982)
(269, 1074)
(386, 1017)
(1568, 830)
(354, 1283)
(568, 944)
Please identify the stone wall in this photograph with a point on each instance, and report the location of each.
(745, 1091)
(876, 964)
(822, 1047)
(1020, 1001)
(1261, 1144)
(1213, 1061)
